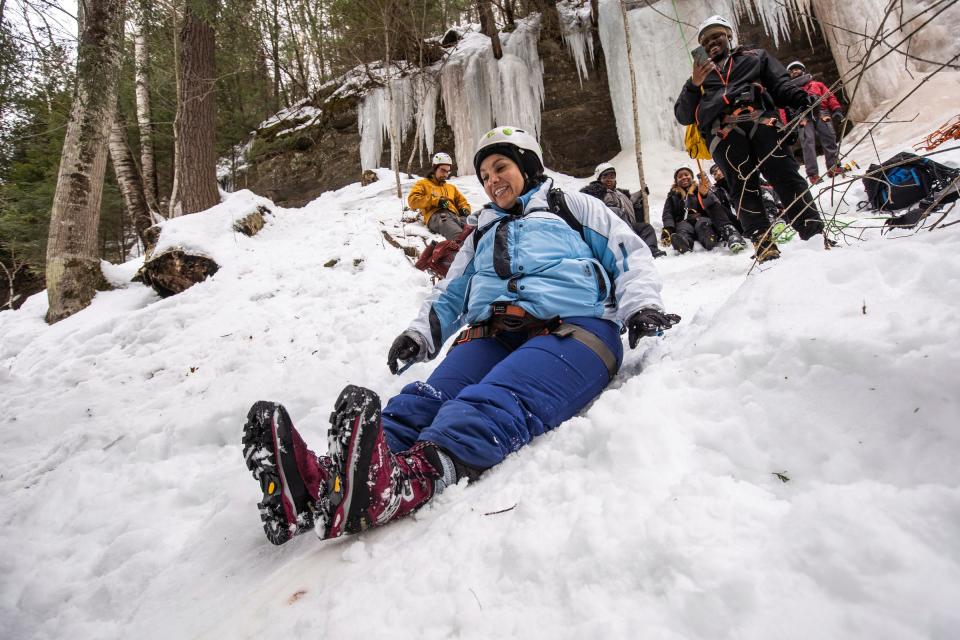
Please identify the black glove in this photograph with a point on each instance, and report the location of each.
(813, 100)
(403, 348)
(444, 204)
(464, 212)
(649, 322)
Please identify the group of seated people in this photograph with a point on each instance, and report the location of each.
(695, 211)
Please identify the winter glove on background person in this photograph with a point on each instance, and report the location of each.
(464, 212)
(444, 204)
(649, 322)
(404, 348)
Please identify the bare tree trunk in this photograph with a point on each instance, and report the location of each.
(175, 207)
(636, 113)
(16, 264)
(73, 263)
(128, 178)
(196, 164)
(394, 134)
(489, 26)
(144, 119)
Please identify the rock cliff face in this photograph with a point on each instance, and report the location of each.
(294, 167)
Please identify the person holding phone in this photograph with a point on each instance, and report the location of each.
(732, 96)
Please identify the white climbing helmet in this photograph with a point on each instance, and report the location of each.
(604, 167)
(714, 21)
(797, 63)
(442, 158)
(526, 148)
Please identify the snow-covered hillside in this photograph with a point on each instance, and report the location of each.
(781, 464)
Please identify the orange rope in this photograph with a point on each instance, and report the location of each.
(949, 131)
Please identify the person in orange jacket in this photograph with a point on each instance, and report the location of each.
(443, 207)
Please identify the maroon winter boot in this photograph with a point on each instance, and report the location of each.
(369, 484)
(293, 478)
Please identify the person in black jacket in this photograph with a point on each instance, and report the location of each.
(732, 98)
(628, 208)
(694, 212)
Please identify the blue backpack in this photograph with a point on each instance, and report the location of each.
(906, 179)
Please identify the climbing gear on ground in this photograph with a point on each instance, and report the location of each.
(438, 256)
(907, 179)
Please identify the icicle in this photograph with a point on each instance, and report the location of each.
(479, 91)
(375, 110)
(776, 16)
(575, 24)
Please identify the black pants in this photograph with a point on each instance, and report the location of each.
(703, 231)
(739, 154)
(648, 234)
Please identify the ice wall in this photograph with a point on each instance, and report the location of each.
(661, 59)
(937, 42)
(414, 103)
(480, 91)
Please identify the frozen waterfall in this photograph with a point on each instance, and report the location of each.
(480, 91)
(414, 101)
(661, 59)
(575, 27)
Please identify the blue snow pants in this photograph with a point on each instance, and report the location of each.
(491, 396)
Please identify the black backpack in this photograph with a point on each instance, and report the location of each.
(906, 179)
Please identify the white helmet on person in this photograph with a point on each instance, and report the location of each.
(442, 158)
(604, 167)
(515, 143)
(798, 64)
(714, 21)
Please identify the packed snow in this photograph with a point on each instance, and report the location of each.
(780, 464)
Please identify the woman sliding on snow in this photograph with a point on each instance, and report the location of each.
(544, 285)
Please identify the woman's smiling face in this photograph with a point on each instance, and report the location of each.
(502, 180)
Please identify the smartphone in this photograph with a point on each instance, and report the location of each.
(699, 56)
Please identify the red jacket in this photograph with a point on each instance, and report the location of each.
(817, 88)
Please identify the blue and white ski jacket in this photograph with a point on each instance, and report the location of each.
(538, 262)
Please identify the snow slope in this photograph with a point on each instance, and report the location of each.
(782, 464)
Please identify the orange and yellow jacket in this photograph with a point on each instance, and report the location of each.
(426, 193)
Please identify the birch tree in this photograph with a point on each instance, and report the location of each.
(132, 187)
(141, 58)
(73, 264)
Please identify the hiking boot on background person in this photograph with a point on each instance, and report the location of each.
(292, 477)
(765, 249)
(370, 485)
(733, 239)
